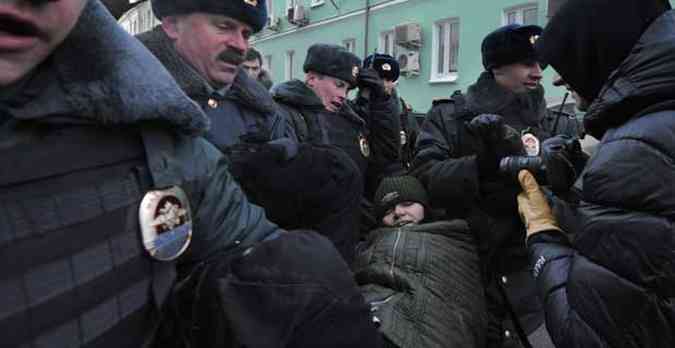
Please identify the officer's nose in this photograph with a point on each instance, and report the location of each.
(536, 72)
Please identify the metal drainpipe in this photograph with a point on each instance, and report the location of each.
(365, 30)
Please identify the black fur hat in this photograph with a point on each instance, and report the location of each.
(251, 12)
(510, 44)
(385, 65)
(334, 61)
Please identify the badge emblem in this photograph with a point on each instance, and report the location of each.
(166, 223)
(355, 71)
(386, 67)
(534, 39)
(363, 144)
(251, 2)
(531, 144)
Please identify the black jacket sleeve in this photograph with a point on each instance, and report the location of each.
(438, 162)
(553, 259)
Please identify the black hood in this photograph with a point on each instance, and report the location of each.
(643, 83)
(100, 74)
(519, 110)
(587, 39)
(296, 93)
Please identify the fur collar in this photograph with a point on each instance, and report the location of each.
(101, 75)
(518, 110)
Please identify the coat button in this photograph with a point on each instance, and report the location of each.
(212, 103)
(507, 334)
(504, 280)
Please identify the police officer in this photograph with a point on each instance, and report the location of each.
(458, 153)
(107, 191)
(389, 70)
(203, 44)
(367, 130)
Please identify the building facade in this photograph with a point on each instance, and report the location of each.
(437, 41)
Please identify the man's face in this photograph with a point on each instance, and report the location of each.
(330, 90)
(389, 86)
(518, 77)
(252, 68)
(404, 213)
(214, 45)
(29, 33)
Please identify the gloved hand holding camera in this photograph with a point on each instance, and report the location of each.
(370, 80)
(559, 163)
(499, 141)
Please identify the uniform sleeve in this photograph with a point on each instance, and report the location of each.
(384, 125)
(552, 259)
(222, 215)
(437, 163)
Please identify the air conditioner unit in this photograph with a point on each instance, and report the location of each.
(408, 35)
(409, 63)
(296, 15)
(273, 23)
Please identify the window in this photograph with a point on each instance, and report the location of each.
(445, 50)
(523, 14)
(350, 45)
(289, 65)
(267, 63)
(290, 3)
(387, 45)
(270, 11)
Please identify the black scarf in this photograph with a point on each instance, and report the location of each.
(519, 110)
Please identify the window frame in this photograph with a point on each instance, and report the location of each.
(382, 43)
(520, 13)
(449, 75)
(288, 65)
(349, 45)
(316, 3)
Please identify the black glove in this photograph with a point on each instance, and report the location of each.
(490, 129)
(370, 80)
(564, 161)
(249, 160)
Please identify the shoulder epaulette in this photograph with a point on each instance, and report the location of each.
(441, 100)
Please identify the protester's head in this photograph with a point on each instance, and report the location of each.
(331, 71)
(212, 35)
(509, 54)
(401, 200)
(387, 67)
(252, 63)
(30, 31)
(586, 40)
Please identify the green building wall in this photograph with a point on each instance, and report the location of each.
(326, 24)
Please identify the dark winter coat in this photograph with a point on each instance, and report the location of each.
(303, 108)
(445, 163)
(246, 109)
(614, 285)
(72, 245)
(423, 282)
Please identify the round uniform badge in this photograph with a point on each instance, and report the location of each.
(531, 144)
(363, 144)
(404, 138)
(355, 71)
(166, 223)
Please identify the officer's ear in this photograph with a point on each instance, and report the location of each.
(171, 26)
(310, 78)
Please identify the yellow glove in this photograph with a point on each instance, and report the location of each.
(533, 207)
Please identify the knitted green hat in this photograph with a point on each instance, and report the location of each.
(397, 189)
